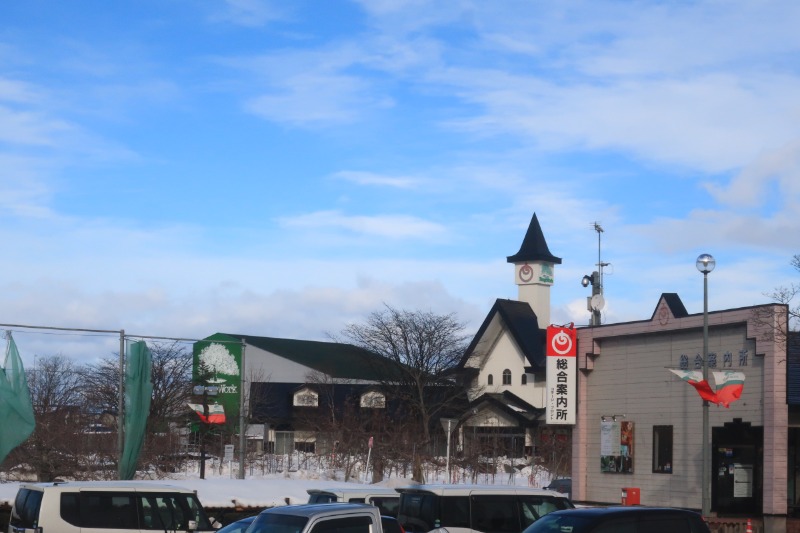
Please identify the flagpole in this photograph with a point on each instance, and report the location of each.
(242, 415)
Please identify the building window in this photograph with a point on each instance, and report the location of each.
(374, 400)
(306, 398)
(506, 377)
(491, 379)
(524, 380)
(662, 449)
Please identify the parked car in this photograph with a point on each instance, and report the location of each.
(239, 526)
(470, 508)
(562, 485)
(617, 519)
(384, 498)
(319, 518)
(74, 506)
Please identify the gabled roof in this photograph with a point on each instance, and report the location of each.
(674, 303)
(335, 359)
(534, 247)
(522, 325)
(510, 404)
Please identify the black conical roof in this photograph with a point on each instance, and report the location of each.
(534, 247)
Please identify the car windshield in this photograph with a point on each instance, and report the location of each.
(559, 523)
(277, 523)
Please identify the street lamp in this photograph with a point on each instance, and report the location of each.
(705, 264)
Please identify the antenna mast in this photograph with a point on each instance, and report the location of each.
(596, 301)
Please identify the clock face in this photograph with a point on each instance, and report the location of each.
(525, 273)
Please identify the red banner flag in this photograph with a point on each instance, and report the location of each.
(216, 413)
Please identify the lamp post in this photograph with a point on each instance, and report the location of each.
(705, 264)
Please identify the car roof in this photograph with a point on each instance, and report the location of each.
(313, 509)
(353, 490)
(619, 509)
(464, 490)
(59, 486)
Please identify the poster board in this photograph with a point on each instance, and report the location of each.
(616, 446)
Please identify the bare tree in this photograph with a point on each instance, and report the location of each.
(54, 448)
(787, 296)
(171, 377)
(424, 349)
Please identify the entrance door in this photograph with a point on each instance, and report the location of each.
(736, 486)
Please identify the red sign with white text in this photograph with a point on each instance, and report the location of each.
(561, 341)
(562, 368)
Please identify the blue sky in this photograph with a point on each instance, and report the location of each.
(177, 168)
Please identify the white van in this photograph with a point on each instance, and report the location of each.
(384, 498)
(475, 508)
(118, 506)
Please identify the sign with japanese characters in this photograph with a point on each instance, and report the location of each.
(562, 367)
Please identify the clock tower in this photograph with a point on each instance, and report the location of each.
(534, 272)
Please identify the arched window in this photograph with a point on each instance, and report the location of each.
(491, 379)
(524, 379)
(373, 399)
(306, 398)
(506, 377)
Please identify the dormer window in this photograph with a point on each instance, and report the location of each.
(506, 377)
(491, 379)
(373, 400)
(306, 398)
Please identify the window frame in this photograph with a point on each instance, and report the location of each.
(663, 448)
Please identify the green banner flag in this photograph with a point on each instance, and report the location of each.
(16, 409)
(138, 393)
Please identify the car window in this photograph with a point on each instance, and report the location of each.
(277, 523)
(495, 514)
(419, 512)
(349, 524)
(322, 498)
(535, 507)
(455, 511)
(664, 524)
(555, 523)
(26, 508)
(104, 510)
(387, 505)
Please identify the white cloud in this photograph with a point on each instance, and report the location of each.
(391, 226)
(249, 13)
(372, 178)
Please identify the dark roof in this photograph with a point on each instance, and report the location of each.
(522, 324)
(337, 360)
(674, 303)
(534, 247)
(511, 404)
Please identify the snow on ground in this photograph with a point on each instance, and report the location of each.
(221, 488)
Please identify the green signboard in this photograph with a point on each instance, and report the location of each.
(217, 362)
